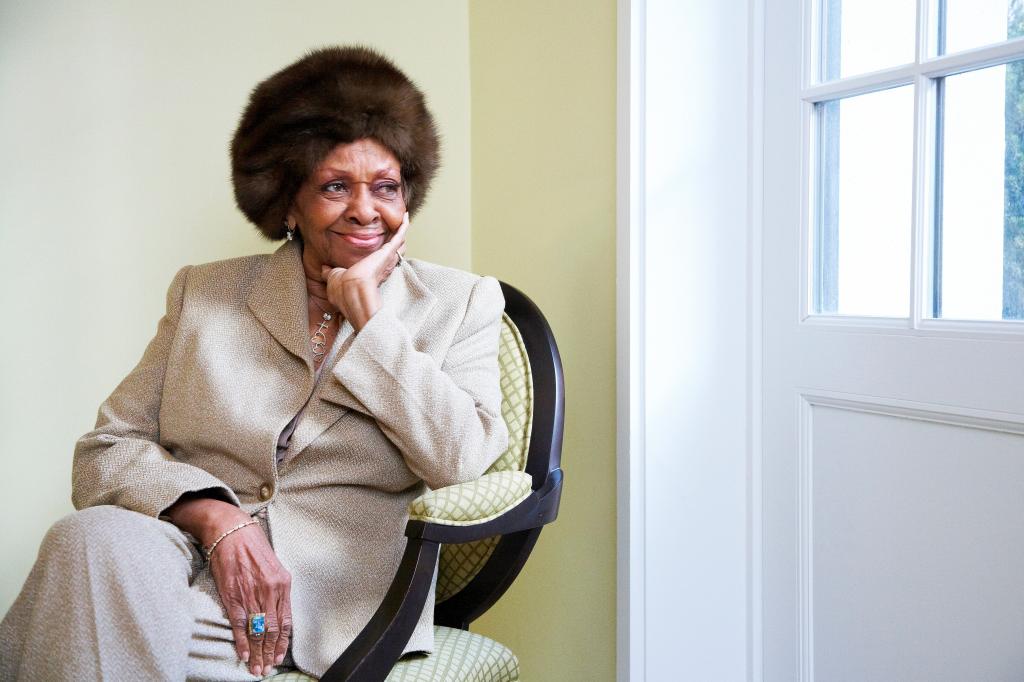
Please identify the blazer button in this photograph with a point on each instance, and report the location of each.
(265, 492)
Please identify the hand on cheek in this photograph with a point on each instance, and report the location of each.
(355, 291)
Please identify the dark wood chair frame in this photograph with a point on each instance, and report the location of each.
(375, 650)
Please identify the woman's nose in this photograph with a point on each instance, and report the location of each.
(361, 209)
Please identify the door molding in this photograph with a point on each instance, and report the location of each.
(630, 408)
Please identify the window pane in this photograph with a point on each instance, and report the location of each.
(865, 188)
(973, 23)
(979, 258)
(859, 36)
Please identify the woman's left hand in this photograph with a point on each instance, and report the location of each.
(355, 291)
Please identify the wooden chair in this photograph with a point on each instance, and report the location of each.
(483, 531)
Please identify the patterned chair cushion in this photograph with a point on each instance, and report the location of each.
(474, 502)
(516, 397)
(459, 656)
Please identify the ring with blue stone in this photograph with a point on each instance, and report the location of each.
(257, 624)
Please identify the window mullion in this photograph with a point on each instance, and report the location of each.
(859, 85)
(923, 243)
(904, 75)
(976, 58)
(921, 30)
(923, 189)
(934, 162)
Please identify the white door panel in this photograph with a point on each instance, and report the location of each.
(893, 464)
(912, 551)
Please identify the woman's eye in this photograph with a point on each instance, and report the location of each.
(388, 189)
(335, 187)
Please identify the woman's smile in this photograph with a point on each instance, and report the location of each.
(370, 241)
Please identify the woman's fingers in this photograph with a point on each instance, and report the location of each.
(270, 639)
(326, 270)
(284, 611)
(250, 605)
(392, 251)
(256, 644)
(239, 620)
(248, 644)
(236, 600)
(396, 243)
(275, 641)
(398, 240)
(268, 592)
(329, 274)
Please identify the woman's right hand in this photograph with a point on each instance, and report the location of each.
(249, 577)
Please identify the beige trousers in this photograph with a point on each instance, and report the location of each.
(116, 595)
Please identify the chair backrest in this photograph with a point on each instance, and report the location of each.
(533, 409)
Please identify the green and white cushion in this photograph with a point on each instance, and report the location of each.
(474, 502)
(460, 563)
(516, 397)
(459, 656)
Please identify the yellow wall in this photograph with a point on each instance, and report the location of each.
(543, 109)
(115, 118)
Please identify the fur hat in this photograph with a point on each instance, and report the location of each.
(332, 96)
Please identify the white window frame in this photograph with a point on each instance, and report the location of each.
(921, 74)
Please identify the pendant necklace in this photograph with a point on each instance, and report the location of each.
(319, 338)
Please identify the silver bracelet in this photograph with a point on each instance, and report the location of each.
(209, 551)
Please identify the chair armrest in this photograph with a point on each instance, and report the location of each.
(537, 508)
(479, 501)
(371, 655)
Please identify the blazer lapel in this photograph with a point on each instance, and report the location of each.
(278, 299)
(320, 414)
(405, 297)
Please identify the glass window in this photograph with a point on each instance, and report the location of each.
(964, 24)
(864, 215)
(979, 227)
(859, 36)
(952, 124)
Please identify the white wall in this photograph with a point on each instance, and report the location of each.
(689, 341)
(115, 119)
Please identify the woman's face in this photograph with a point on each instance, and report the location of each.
(350, 204)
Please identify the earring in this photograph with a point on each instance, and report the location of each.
(289, 231)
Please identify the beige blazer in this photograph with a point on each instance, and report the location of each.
(413, 399)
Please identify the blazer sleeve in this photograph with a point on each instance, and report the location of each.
(121, 461)
(445, 419)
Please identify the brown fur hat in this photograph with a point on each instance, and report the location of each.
(331, 96)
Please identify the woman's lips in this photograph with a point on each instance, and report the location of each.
(362, 240)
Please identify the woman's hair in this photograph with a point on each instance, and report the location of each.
(332, 96)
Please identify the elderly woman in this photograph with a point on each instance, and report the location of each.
(243, 495)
